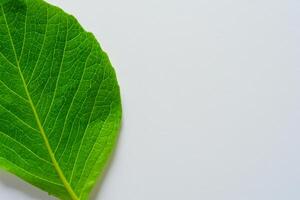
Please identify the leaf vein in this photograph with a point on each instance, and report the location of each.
(58, 76)
(84, 134)
(12, 91)
(73, 98)
(40, 53)
(13, 114)
(25, 147)
(42, 131)
(26, 171)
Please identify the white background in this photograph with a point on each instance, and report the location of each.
(211, 98)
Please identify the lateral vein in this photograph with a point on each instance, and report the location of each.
(38, 121)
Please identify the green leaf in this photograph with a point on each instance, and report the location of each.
(60, 107)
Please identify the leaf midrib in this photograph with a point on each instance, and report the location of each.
(38, 121)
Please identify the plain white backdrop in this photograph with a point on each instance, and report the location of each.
(211, 99)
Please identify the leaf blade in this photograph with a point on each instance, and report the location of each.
(60, 136)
